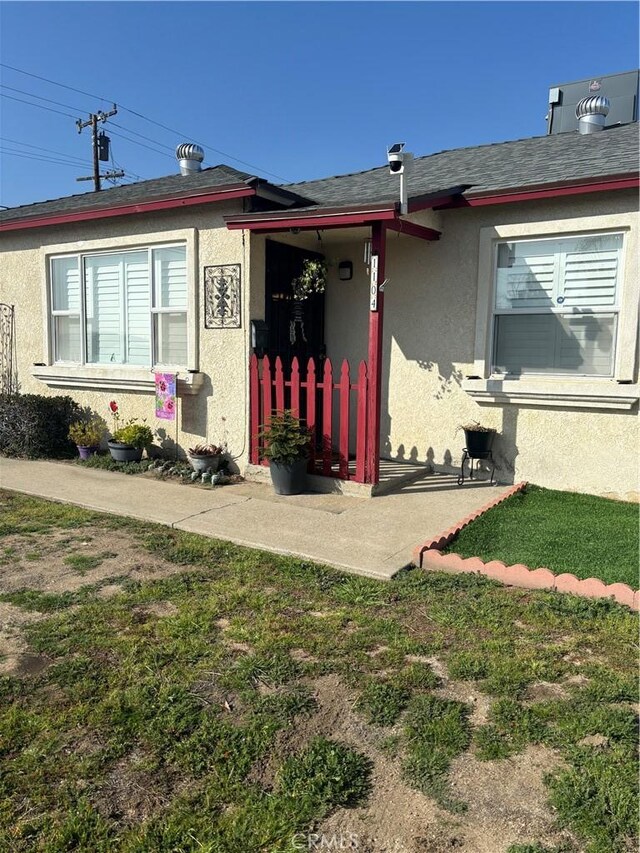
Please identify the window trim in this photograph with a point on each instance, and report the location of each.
(148, 241)
(619, 391)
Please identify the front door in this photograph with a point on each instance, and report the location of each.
(295, 328)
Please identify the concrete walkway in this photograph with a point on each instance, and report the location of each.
(368, 536)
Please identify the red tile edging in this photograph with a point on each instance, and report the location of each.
(429, 556)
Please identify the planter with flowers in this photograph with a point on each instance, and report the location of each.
(87, 435)
(129, 439)
(205, 457)
(286, 446)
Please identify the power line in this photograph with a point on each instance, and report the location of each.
(46, 150)
(141, 144)
(142, 136)
(145, 118)
(7, 153)
(40, 97)
(40, 106)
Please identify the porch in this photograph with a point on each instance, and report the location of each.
(330, 371)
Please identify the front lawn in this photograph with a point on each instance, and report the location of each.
(588, 536)
(164, 693)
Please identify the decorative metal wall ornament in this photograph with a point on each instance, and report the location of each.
(222, 297)
(8, 361)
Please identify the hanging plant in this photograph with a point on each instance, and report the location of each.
(312, 279)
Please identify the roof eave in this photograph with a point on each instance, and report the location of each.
(211, 195)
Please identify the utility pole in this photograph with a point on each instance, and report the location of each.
(92, 122)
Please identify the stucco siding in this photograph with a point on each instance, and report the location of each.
(222, 353)
(429, 349)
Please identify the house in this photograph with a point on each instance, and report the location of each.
(507, 293)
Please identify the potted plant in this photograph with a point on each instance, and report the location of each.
(478, 439)
(287, 449)
(312, 279)
(87, 435)
(129, 440)
(205, 457)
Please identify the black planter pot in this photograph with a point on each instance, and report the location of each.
(124, 452)
(478, 444)
(289, 479)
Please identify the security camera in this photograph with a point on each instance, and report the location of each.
(395, 156)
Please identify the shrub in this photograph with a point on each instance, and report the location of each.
(286, 439)
(137, 435)
(87, 433)
(33, 425)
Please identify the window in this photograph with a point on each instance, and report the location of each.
(556, 305)
(120, 308)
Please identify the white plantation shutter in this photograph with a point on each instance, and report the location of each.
(556, 305)
(138, 303)
(115, 300)
(170, 305)
(65, 309)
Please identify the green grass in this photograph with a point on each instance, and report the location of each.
(192, 706)
(562, 531)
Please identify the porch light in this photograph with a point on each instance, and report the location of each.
(345, 270)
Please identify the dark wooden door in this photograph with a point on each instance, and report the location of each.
(295, 329)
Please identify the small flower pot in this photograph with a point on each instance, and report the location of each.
(289, 479)
(86, 452)
(201, 464)
(124, 452)
(478, 444)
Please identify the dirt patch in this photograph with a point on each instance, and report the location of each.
(50, 574)
(157, 608)
(393, 812)
(109, 590)
(542, 691)
(131, 793)
(506, 800)
(14, 651)
(465, 691)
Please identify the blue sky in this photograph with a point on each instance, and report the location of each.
(301, 90)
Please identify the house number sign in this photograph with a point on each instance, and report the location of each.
(373, 290)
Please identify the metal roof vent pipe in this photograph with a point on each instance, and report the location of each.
(190, 157)
(592, 113)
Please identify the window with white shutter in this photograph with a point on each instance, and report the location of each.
(131, 309)
(556, 305)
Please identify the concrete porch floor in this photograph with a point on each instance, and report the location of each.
(368, 537)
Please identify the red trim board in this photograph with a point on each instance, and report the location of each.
(429, 556)
(222, 194)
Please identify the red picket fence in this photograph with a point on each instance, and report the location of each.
(314, 400)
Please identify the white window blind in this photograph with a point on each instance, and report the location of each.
(556, 305)
(65, 309)
(132, 310)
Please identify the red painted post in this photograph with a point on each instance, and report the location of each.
(327, 416)
(376, 317)
(279, 383)
(311, 411)
(345, 385)
(295, 388)
(254, 410)
(361, 424)
(266, 392)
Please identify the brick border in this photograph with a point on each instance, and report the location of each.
(429, 556)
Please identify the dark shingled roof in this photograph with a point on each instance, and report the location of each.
(156, 188)
(563, 157)
(503, 165)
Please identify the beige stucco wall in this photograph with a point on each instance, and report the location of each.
(222, 353)
(429, 338)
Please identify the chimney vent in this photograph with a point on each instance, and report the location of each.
(591, 113)
(190, 157)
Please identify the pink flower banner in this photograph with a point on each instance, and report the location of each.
(166, 396)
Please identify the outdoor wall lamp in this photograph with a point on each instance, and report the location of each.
(345, 270)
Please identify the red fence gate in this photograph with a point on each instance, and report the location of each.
(315, 400)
